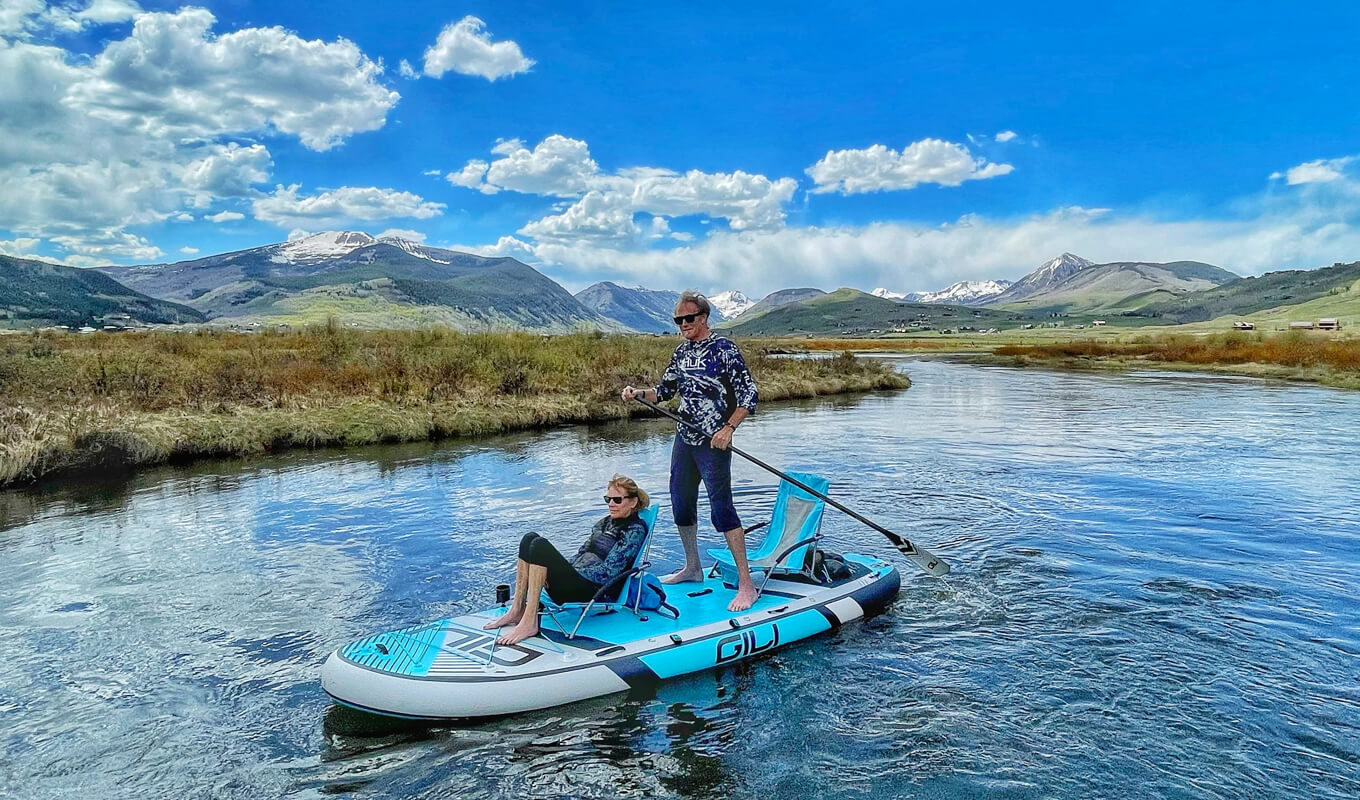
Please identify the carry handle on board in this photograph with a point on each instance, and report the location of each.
(924, 559)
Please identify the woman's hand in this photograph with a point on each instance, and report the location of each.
(629, 393)
(723, 437)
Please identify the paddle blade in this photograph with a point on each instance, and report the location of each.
(932, 564)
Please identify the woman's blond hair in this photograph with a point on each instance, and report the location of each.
(630, 486)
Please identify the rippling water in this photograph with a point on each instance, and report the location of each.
(1155, 594)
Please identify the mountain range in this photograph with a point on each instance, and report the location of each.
(963, 293)
(642, 310)
(393, 282)
(371, 282)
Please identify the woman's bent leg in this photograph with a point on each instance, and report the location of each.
(521, 589)
(528, 624)
(564, 583)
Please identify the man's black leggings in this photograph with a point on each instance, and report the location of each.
(564, 584)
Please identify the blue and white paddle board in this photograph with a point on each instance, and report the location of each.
(453, 669)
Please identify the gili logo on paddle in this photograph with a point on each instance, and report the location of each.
(746, 643)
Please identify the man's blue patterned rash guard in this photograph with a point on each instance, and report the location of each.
(712, 380)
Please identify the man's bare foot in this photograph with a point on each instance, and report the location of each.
(746, 597)
(511, 618)
(518, 633)
(684, 576)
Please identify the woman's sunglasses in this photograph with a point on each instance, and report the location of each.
(686, 319)
(611, 499)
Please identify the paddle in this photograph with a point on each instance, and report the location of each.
(924, 559)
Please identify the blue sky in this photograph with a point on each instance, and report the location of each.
(708, 145)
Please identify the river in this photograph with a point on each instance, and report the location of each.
(1156, 594)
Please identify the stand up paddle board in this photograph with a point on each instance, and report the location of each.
(453, 669)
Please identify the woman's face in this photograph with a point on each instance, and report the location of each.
(694, 329)
(620, 503)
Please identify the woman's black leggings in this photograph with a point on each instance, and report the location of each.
(564, 583)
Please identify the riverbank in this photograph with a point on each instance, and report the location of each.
(1293, 356)
(120, 401)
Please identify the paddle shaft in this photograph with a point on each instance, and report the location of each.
(923, 558)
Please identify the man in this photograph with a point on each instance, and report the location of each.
(716, 394)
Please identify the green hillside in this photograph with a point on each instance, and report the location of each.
(35, 292)
(850, 312)
(1106, 289)
(1248, 296)
(385, 283)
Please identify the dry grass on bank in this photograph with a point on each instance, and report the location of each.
(1293, 355)
(70, 402)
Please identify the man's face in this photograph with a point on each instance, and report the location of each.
(694, 326)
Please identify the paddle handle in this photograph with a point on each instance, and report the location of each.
(923, 558)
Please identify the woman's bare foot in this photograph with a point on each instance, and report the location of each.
(511, 618)
(684, 576)
(519, 633)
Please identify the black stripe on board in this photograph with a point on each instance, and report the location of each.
(635, 673)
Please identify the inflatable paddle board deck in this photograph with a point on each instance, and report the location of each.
(453, 669)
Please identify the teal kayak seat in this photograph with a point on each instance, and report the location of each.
(617, 589)
(795, 526)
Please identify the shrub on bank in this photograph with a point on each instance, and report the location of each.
(69, 401)
(1290, 349)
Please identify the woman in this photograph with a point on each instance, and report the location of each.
(609, 551)
(716, 393)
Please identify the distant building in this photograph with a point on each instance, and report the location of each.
(1244, 326)
(1300, 326)
(1097, 323)
(1329, 324)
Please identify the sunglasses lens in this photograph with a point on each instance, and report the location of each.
(611, 500)
(685, 319)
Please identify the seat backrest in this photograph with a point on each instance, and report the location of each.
(797, 515)
(648, 517)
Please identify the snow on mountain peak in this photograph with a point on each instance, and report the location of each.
(327, 244)
(964, 292)
(1068, 260)
(731, 304)
(887, 295)
(414, 248)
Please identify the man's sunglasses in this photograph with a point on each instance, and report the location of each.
(687, 318)
(611, 499)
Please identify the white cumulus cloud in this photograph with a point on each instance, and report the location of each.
(879, 168)
(597, 216)
(1320, 171)
(465, 47)
(605, 203)
(335, 207)
(225, 216)
(1006, 136)
(189, 251)
(558, 166)
(22, 246)
(160, 119)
